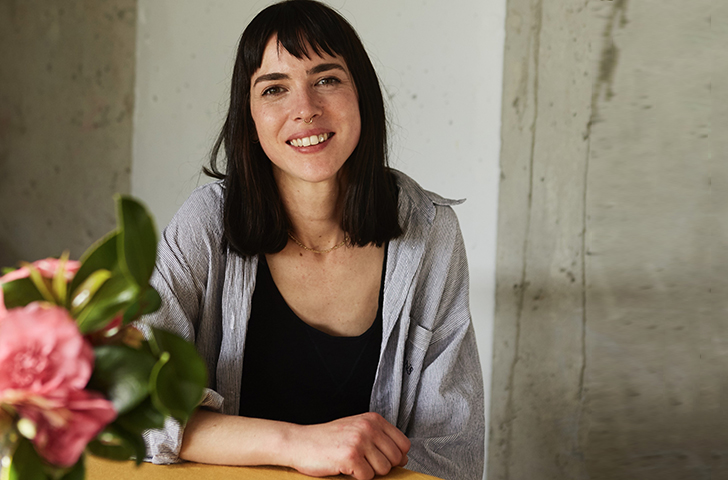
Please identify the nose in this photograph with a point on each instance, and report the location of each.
(306, 106)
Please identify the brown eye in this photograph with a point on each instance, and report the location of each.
(328, 81)
(272, 91)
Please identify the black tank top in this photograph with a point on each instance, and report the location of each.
(295, 373)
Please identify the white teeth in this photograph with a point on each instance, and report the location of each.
(308, 141)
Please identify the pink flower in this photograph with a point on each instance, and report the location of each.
(41, 351)
(47, 268)
(45, 364)
(74, 418)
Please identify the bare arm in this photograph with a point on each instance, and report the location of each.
(360, 446)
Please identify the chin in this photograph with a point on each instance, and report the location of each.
(321, 173)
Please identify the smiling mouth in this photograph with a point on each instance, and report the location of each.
(308, 141)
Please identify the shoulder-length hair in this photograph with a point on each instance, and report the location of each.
(255, 220)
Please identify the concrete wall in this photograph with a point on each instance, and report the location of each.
(66, 101)
(610, 353)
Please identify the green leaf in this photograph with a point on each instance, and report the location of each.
(149, 301)
(83, 294)
(153, 387)
(26, 464)
(122, 373)
(115, 443)
(114, 296)
(100, 256)
(6, 270)
(179, 378)
(77, 472)
(37, 278)
(59, 285)
(143, 417)
(145, 347)
(138, 246)
(20, 293)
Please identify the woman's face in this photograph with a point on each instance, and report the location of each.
(306, 114)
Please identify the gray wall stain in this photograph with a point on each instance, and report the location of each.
(608, 58)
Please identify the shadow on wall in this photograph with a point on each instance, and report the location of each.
(655, 381)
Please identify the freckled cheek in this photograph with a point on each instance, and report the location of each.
(355, 116)
(267, 125)
(357, 127)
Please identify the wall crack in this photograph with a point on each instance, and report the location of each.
(522, 286)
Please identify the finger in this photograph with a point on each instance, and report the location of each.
(378, 461)
(361, 470)
(387, 446)
(399, 438)
(384, 437)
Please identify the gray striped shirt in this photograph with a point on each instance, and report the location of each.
(428, 382)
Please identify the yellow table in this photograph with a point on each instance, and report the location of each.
(101, 469)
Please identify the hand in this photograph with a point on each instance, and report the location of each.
(361, 446)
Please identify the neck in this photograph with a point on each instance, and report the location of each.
(314, 211)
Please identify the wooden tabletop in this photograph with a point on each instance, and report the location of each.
(101, 469)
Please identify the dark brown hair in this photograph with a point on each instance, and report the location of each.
(254, 218)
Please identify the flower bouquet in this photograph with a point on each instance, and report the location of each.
(75, 375)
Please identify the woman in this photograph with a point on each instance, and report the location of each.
(327, 293)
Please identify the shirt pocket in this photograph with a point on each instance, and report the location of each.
(418, 341)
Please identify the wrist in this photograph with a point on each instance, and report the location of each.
(289, 441)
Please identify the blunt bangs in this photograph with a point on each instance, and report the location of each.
(297, 25)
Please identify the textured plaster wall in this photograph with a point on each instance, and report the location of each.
(611, 340)
(66, 102)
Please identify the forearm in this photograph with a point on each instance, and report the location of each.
(231, 440)
(360, 446)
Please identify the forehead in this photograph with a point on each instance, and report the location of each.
(276, 57)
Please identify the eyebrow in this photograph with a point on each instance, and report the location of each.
(322, 67)
(325, 67)
(270, 77)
